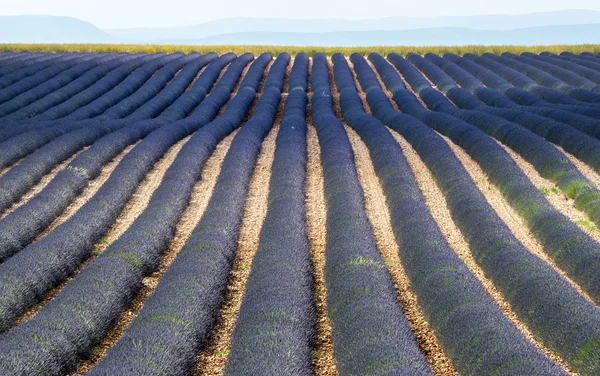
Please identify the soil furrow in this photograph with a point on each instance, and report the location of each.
(508, 216)
(136, 204)
(555, 197)
(212, 359)
(378, 213)
(37, 188)
(191, 216)
(316, 215)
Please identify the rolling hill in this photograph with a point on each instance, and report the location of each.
(280, 25)
(50, 29)
(563, 27)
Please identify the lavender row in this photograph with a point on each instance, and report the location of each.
(32, 136)
(33, 167)
(55, 83)
(547, 160)
(370, 333)
(15, 61)
(58, 66)
(41, 65)
(28, 276)
(67, 91)
(274, 331)
(455, 304)
(67, 329)
(553, 310)
(168, 332)
(19, 227)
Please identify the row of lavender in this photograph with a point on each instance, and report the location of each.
(564, 321)
(46, 263)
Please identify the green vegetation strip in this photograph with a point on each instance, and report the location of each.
(293, 50)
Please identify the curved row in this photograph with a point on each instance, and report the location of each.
(53, 84)
(33, 133)
(553, 310)
(73, 88)
(41, 65)
(274, 330)
(171, 328)
(27, 276)
(32, 168)
(369, 330)
(9, 92)
(19, 227)
(68, 327)
(15, 61)
(101, 87)
(557, 70)
(550, 227)
(453, 300)
(545, 79)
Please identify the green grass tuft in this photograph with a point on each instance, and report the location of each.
(584, 224)
(359, 260)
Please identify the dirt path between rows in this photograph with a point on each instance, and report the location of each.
(554, 196)
(520, 231)
(201, 194)
(435, 201)
(136, 204)
(323, 362)
(39, 186)
(213, 358)
(379, 216)
(316, 216)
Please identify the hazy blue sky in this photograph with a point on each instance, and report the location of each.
(134, 13)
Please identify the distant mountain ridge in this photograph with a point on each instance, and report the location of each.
(50, 29)
(443, 36)
(561, 27)
(247, 25)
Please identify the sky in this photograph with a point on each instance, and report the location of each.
(108, 14)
